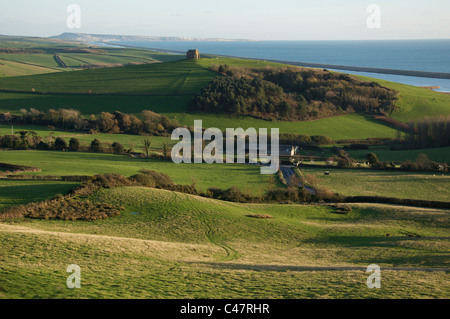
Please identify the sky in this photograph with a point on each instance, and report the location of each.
(232, 19)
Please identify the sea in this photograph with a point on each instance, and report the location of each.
(411, 55)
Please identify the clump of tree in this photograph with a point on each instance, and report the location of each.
(74, 145)
(429, 132)
(291, 94)
(149, 123)
(423, 163)
(342, 158)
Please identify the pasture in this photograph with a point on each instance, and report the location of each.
(362, 182)
(169, 78)
(245, 177)
(16, 192)
(171, 245)
(438, 154)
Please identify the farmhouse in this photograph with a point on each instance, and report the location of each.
(193, 54)
(288, 150)
(284, 150)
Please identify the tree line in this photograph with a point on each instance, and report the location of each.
(429, 132)
(291, 94)
(25, 140)
(149, 122)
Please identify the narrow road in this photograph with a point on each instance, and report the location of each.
(288, 171)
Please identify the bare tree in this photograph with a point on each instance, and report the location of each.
(147, 144)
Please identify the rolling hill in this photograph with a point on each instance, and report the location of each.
(171, 245)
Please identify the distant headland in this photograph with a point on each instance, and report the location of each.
(84, 37)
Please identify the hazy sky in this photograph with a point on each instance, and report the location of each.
(234, 19)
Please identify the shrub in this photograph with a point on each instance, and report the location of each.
(95, 146)
(60, 144)
(42, 146)
(64, 209)
(118, 148)
(10, 141)
(156, 179)
(74, 145)
(321, 140)
(372, 158)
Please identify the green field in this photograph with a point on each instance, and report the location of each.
(9, 68)
(30, 63)
(439, 154)
(170, 77)
(348, 182)
(189, 77)
(94, 104)
(245, 177)
(415, 102)
(170, 245)
(22, 192)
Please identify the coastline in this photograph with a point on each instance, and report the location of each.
(411, 73)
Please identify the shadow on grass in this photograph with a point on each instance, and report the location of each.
(288, 268)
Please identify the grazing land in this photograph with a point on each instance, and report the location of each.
(168, 78)
(245, 177)
(438, 154)
(166, 244)
(351, 182)
(23, 192)
(415, 102)
(170, 245)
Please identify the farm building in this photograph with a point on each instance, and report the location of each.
(288, 150)
(284, 150)
(193, 54)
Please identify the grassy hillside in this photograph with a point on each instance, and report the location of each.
(93, 104)
(189, 77)
(426, 186)
(22, 192)
(30, 56)
(9, 68)
(170, 77)
(245, 177)
(170, 245)
(415, 102)
(339, 127)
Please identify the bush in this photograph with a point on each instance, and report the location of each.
(152, 179)
(321, 140)
(64, 209)
(10, 141)
(95, 146)
(42, 146)
(232, 194)
(118, 148)
(60, 144)
(74, 145)
(290, 194)
(372, 158)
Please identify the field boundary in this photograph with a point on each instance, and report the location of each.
(99, 94)
(398, 201)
